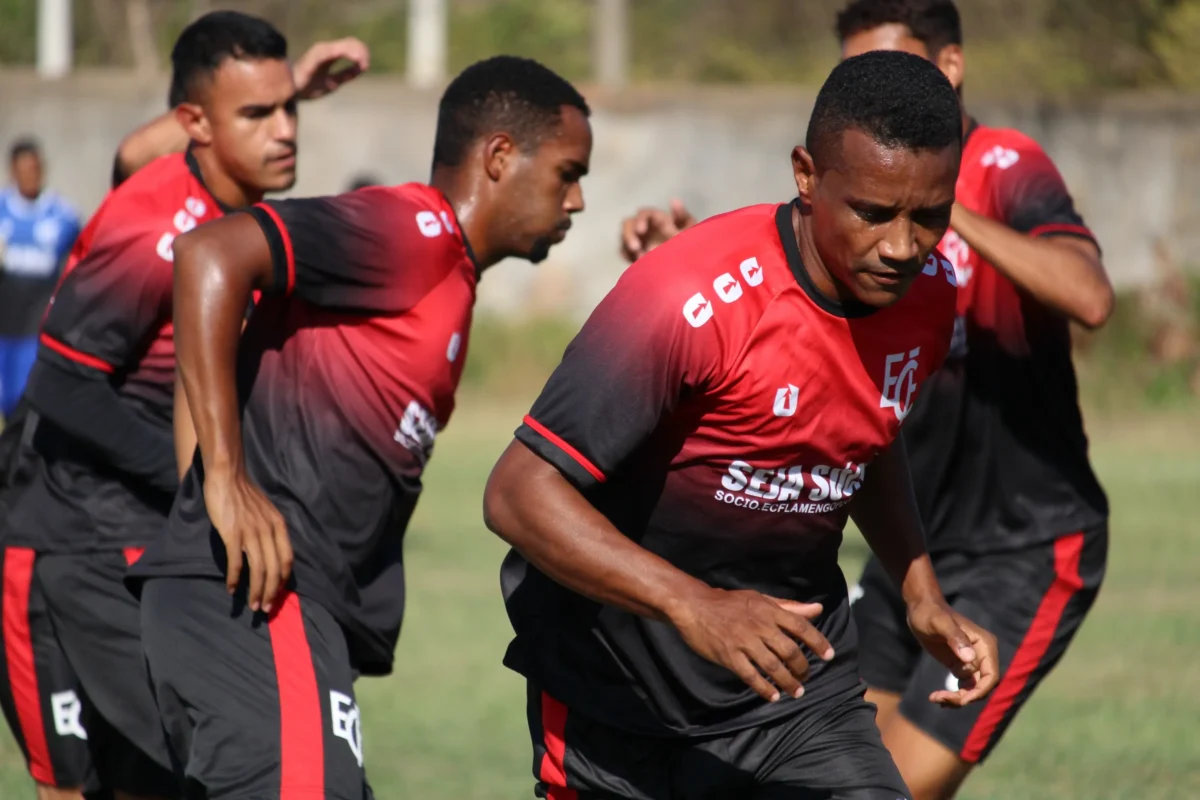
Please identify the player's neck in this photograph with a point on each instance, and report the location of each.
(219, 184)
(466, 200)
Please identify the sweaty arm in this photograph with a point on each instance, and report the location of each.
(1042, 245)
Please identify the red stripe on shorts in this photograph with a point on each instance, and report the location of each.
(18, 653)
(552, 770)
(1033, 647)
(301, 731)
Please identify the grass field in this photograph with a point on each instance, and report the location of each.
(1119, 719)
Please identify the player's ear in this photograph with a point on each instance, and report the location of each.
(804, 171)
(192, 119)
(499, 151)
(950, 61)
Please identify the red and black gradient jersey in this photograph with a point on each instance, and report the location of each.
(110, 320)
(346, 372)
(999, 455)
(722, 413)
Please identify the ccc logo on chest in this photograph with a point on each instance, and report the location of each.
(698, 310)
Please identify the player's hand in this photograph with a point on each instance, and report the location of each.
(249, 524)
(966, 649)
(754, 636)
(650, 227)
(314, 71)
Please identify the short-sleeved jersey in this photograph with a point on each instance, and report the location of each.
(110, 320)
(35, 238)
(999, 455)
(722, 413)
(346, 372)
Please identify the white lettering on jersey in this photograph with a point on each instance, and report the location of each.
(195, 206)
(752, 272)
(347, 723)
(899, 388)
(959, 253)
(184, 221)
(67, 708)
(727, 288)
(1001, 157)
(453, 348)
(166, 247)
(29, 260)
(697, 310)
(446, 221)
(933, 263)
(780, 490)
(785, 400)
(417, 431)
(429, 224)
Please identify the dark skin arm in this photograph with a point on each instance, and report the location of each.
(217, 268)
(885, 510)
(1064, 273)
(529, 504)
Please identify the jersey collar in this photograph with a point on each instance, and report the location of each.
(787, 237)
(194, 167)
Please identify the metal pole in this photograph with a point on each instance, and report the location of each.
(611, 42)
(55, 40)
(427, 34)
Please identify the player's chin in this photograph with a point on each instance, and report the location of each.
(539, 250)
(880, 292)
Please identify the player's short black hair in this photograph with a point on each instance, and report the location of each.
(934, 23)
(900, 100)
(26, 145)
(505, 93)
(214, 37)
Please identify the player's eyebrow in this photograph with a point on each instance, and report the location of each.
(577, 167)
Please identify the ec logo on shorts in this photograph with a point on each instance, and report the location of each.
(67, 709)
(347, 723)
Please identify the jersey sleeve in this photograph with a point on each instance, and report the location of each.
(373, 250)
(635, 360)
(1032, 196)
(111, 302)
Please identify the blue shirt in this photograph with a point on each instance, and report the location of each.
(35, 239)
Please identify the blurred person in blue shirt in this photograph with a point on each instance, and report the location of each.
(37, 229)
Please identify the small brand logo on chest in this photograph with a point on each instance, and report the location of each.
(900, 382)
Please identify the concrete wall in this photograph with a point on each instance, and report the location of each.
(1133, 164)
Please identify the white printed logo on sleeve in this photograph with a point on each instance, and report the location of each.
(67, 708)
(347, 723)
(417, 430)
(697, 310)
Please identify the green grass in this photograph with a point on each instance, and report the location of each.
(1120, 718)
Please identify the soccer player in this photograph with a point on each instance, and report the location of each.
(104, 472)
(676, 497)
(37, 229)
(315, 428)
(1015, 518)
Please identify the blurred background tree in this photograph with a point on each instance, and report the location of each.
(1047, 46)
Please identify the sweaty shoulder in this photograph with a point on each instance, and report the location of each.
(718, 276)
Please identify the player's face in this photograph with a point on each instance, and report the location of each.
(877, 212)
(251, 114)
(544, 187)
(27, 174)
(895, 36)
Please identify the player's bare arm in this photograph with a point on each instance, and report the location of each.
(886, 513)
(650, 227)
(217, 268)
(322, 69)
(1062, 272)
(530, 505)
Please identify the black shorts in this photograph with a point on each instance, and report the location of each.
(97, 625)
(1033, 600)
(39, 691)
(834, 753)
(255, 707)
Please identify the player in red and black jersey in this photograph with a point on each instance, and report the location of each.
(1015, 518)
(676, 497)
(104, 470)
(315, 429)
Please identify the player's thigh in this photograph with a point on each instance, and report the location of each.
(887, 652)
(1034, 602)
(39, 691)
(836, 756)
(576, 757)
(255, 706)
(97, 622)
